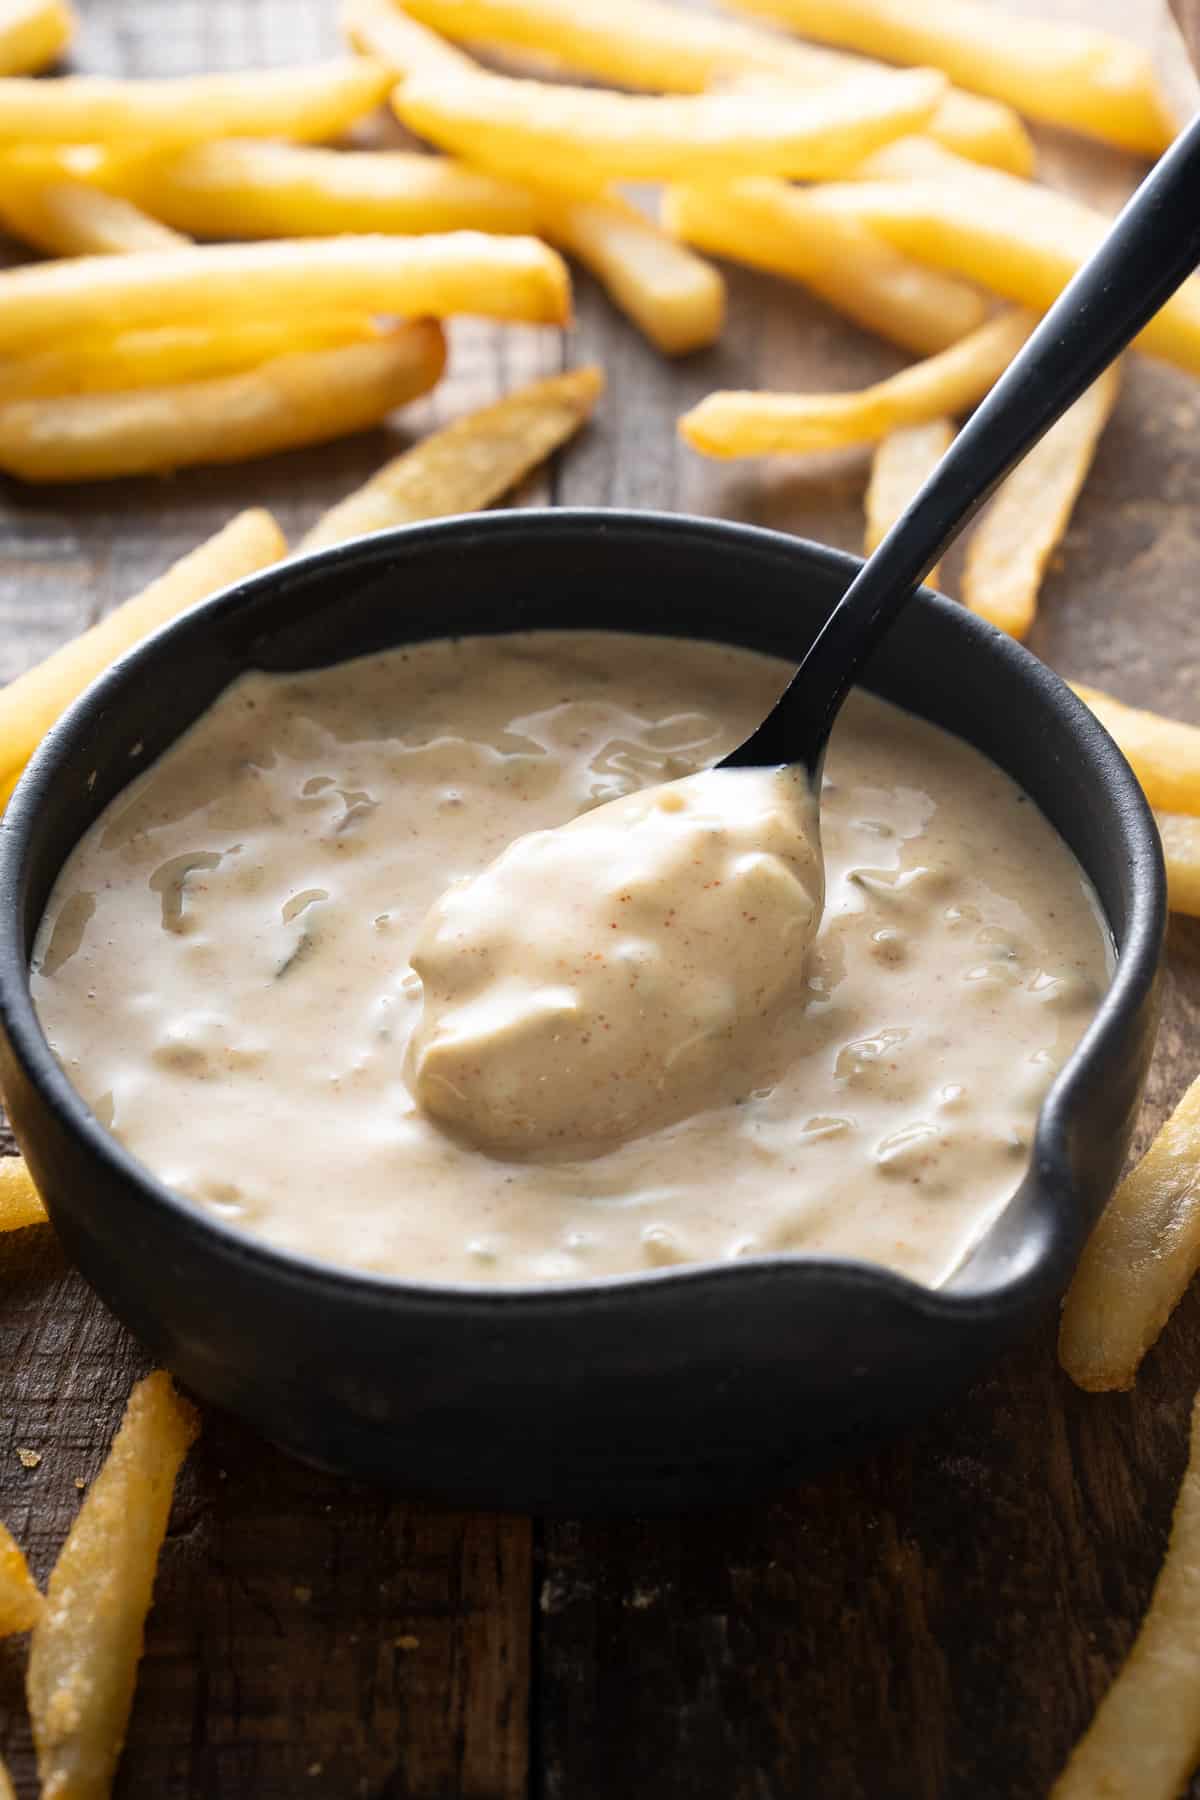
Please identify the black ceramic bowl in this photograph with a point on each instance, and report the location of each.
(680, 1386)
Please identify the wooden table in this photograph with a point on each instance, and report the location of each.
(937, 1622)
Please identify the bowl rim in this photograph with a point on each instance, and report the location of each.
(1134, 977)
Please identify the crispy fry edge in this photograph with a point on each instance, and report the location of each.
(87, 1644)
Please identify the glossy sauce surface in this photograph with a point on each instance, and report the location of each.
(595, 982)
(223, 970)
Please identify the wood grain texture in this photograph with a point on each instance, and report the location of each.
(935, 1623)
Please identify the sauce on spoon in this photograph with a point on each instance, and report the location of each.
(593, 982)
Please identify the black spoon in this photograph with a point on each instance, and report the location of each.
(1153, 246)
(495, 1070)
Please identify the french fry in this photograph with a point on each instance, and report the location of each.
(310, 103)
(87, 1645)
(965, 125)
(673, 296)
(758, 424)
(1144, 1739)
(677, 303)
(380, 30)
(460, 271)
(253, 189)
(1022, 241)
(245, 188)
(1060, 73)
(81, 162)
(305, 397)
(20, 1202)
(1008, 551)
(1138, 1261)
(33, 34)
(466, 466)
(69, 218)
(7, 1790)
(1163, 753)
(34, 701)
(912, 158)
(984, 131)
(902, 463)
(585, 137)
(667, 49)
(156, 357)
(21, 1603)
(638, 44)
(774, 226)
(1180, 833)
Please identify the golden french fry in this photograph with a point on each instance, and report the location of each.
(20, 1202)
(156, 357)
(304, 397)
(466, 466)
(1144, 1739)
(69, 218)
(984, 131)
(902, 463)
(83, 162)
(913, 158)
(313, 102)
(673, 296)
(33, 34)
(88, 1642)
(1008, 551)
(965, 125)
(460, 271)
(671, 50)
(31, 704)
(7, 1790)
(1064, 74)
(585, 137)
(758, 424)
(35, 701)
(1137, 1264)
(253, 189)
(20, 1601)
(245, 188)
(1163, 753)
(380, 30)
(773, 225)
(1180, 833)
(638, 44)
(1022, 241)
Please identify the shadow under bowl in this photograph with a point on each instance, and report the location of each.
(683, 1386)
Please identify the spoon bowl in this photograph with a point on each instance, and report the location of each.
(683, 1386)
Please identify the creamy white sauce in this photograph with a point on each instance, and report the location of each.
(596, 981)
(224, 970)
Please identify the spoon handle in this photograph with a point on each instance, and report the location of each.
(1152, 247)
